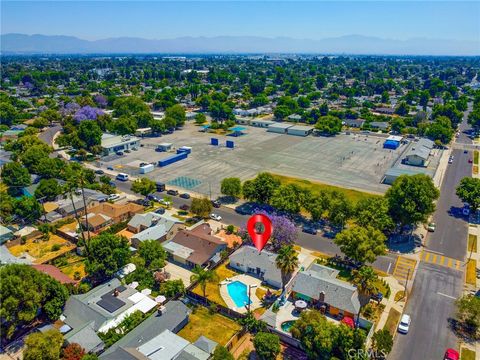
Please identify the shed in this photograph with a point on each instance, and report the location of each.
(300, 130)
(261, 123)
(279, 128)
(393, 173)
(164, 147)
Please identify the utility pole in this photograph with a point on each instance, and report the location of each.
(406, 282)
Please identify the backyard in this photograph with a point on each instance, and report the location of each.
(41, 250)
(213, 289)
(72, 265)
(212, 325)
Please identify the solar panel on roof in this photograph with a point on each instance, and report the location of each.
(110, 303)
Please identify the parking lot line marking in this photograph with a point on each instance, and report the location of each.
(448, 296)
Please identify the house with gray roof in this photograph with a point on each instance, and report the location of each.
(152, 226)
(262, 264)
(319, 286)
(173, 317)
(99, 310)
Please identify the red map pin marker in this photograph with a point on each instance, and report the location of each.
(259, 238)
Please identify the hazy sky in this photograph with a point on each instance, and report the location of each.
(314, 20)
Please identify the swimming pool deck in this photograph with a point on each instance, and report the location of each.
(247, 280)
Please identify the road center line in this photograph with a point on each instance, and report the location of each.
(448, 296)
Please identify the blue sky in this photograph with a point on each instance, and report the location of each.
(313, 20)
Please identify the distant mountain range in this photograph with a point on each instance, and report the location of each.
(351, 44)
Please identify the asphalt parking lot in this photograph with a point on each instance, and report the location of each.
(352, 161)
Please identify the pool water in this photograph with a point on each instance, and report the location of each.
(287, 325)
(238, 292)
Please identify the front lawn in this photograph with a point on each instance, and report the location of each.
(472, 242)
(213, 289)
(74, 268)
(467, 354)
(470, 276)
(214, 326)
(392, 321)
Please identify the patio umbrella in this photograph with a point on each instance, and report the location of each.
(348, 321)
(146, 291)
(160, 299)
(133, 285)
(300, 304)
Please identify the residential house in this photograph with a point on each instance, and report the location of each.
(380, 125)
(195, 246)
(99, 310)
(172, 317)
(152, 226)
(68, 207)
(261, 264)
(385, 110)
(6, 234)
(105, 214)
(354, 123)
(321, 289)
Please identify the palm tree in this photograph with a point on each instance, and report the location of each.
(203, 277)
(287, 262)
(366, 280)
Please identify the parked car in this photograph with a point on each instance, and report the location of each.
(119, 153)
(113, 197)
(184, 207)
(165, 202)
(143, 202)
(122, 177)
(451, 354)
(127, 151)
(112, 184)
(469, 161)
(109, 168)
(99, 172)
(172, 192)
(465, 151)
(216, 203)
(215, 217)
(377, 297)
(309, 230)
(404, 325)
(431, 227)
(450, 161)
(185, 196)
(153, 197)
(160, 211)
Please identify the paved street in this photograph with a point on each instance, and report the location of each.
(450, 238)
(48, 134)
(430, 305)
(308, 241)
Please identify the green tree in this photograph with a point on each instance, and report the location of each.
(33, 156)
(281, 112)
(177, 113)
(441, 130)
(411, 199)
(469, 191)
(339, 209)
(43, 345)
(8, 113)
(26, 294)
(15, 176)
(201, 207)
(171, 288)
(90, 133)
(373, 211)
(261, 188)
(200, 119)
(221, 353)
(48, 189)
(129, 105)
(321, 81)
(124, 125)
(144, 186)
(286, 261)
(231, 187)
(317, 204)
(366, 281)
(362, 244)
(288, 198)
(203, 277)
(382, 343)
(329, 125)
(402, 109)
(468, 313)
(153, 253)
(107, 253)
(27, 208)
(267, 345)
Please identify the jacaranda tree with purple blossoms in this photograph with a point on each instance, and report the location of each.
(100, 100)
(284, 231)
(87, 113)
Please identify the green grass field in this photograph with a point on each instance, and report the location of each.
(315, 187)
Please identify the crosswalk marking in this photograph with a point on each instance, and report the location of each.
(433, 258)
(404, 268)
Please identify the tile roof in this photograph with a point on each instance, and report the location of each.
(55, 273)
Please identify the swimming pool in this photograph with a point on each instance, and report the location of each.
(287, 325)
(238, 292)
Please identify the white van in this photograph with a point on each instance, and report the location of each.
(122, 177)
